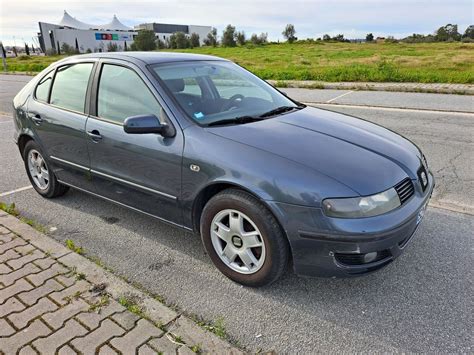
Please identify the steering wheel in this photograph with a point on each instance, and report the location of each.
(233, 100)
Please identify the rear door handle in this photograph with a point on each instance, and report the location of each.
(94, 134)
(35, 117)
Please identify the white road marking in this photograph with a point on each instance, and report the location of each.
(338, 97)
(397, 109)
(16, 190)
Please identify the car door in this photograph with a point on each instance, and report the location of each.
(58, 117)
(142, 171)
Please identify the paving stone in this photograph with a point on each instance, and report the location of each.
(11, 305)
(146, 350)
(143, 331)
(3, 230)
(62, 297)
(12, 244)
(126, 319)
(107, 350)
(5, 330)
(27, 350)
(184, 350)
(30, 297)
(22, 318)
(192, 334)
(66, 280)
(6, 237)
(60, 337)
(163, 345)
(19, 262)
(25, 249)
(9, 255)
(11, 344)
(89, 343)
(57, 318)
(44, 263)
(66, 350)
(92, 319)
(41, 277)
(4, 269)
(19, 286)
(9, 279)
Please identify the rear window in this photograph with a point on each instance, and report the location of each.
(42, 89)
(70, 86)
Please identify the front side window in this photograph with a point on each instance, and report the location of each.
(42, 89)
(214, 92)
(70, 86)
(122, 93)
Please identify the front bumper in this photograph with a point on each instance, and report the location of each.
(336, 247)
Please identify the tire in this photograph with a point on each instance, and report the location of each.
(47, 185)
(258, 227)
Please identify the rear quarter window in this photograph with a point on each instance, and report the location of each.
(42, 89)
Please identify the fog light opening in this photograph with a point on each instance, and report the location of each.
(369, 257)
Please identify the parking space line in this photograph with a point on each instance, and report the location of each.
(16, 190)
(338, 97)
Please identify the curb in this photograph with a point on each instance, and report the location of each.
(175, 323)
(432, 88)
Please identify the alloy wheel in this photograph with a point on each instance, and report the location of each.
(38, 169)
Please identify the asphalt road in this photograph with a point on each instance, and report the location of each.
(420, 303)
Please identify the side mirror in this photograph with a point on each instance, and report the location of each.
(144, 124)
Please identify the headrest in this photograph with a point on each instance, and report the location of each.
(175, 85)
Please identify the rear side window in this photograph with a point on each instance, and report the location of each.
(70, 86)
(123, 94)
(42, 89)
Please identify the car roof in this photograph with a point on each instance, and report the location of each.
(149, 57)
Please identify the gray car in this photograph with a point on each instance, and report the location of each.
(201, 143)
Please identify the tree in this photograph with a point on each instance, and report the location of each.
(211, 39)
(326, 37)
(447, 33)
(77, 46)
(194, 40)
(144, 41)
(369, 37)
(240, 37)
(228, 36)
(339, 38)
(27, 50)
(469, 33)
(181, 40)
(289, 33)
(112, 47)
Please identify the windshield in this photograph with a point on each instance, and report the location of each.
(211, 92)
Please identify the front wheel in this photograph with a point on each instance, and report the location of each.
(41, 176)
(243, 239)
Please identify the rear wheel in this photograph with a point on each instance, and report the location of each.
(41, 176)
(243, 239)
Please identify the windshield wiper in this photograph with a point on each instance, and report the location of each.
(280, 109)
(236, 120)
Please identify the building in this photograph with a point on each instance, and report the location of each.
(86, 37)
(163, 31)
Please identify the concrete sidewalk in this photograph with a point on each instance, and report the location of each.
(52, 300)
(435, 88)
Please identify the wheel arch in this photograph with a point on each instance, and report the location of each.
(22, 140)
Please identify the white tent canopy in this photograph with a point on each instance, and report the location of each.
(114, 25)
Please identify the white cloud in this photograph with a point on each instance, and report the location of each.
(353, 18)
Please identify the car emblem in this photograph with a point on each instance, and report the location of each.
(194, 167)
(424, 179)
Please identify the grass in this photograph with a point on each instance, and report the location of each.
(72, 246)
(372, 62)
(333, 62)
(10, 208)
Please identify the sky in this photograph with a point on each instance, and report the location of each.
(353, 18)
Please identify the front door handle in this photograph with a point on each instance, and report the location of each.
(94, 134)
(36, 118)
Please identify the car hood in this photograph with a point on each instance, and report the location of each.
(361, 155)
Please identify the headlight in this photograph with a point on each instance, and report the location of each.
(358, 207)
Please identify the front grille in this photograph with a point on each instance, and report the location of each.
(405, 190)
